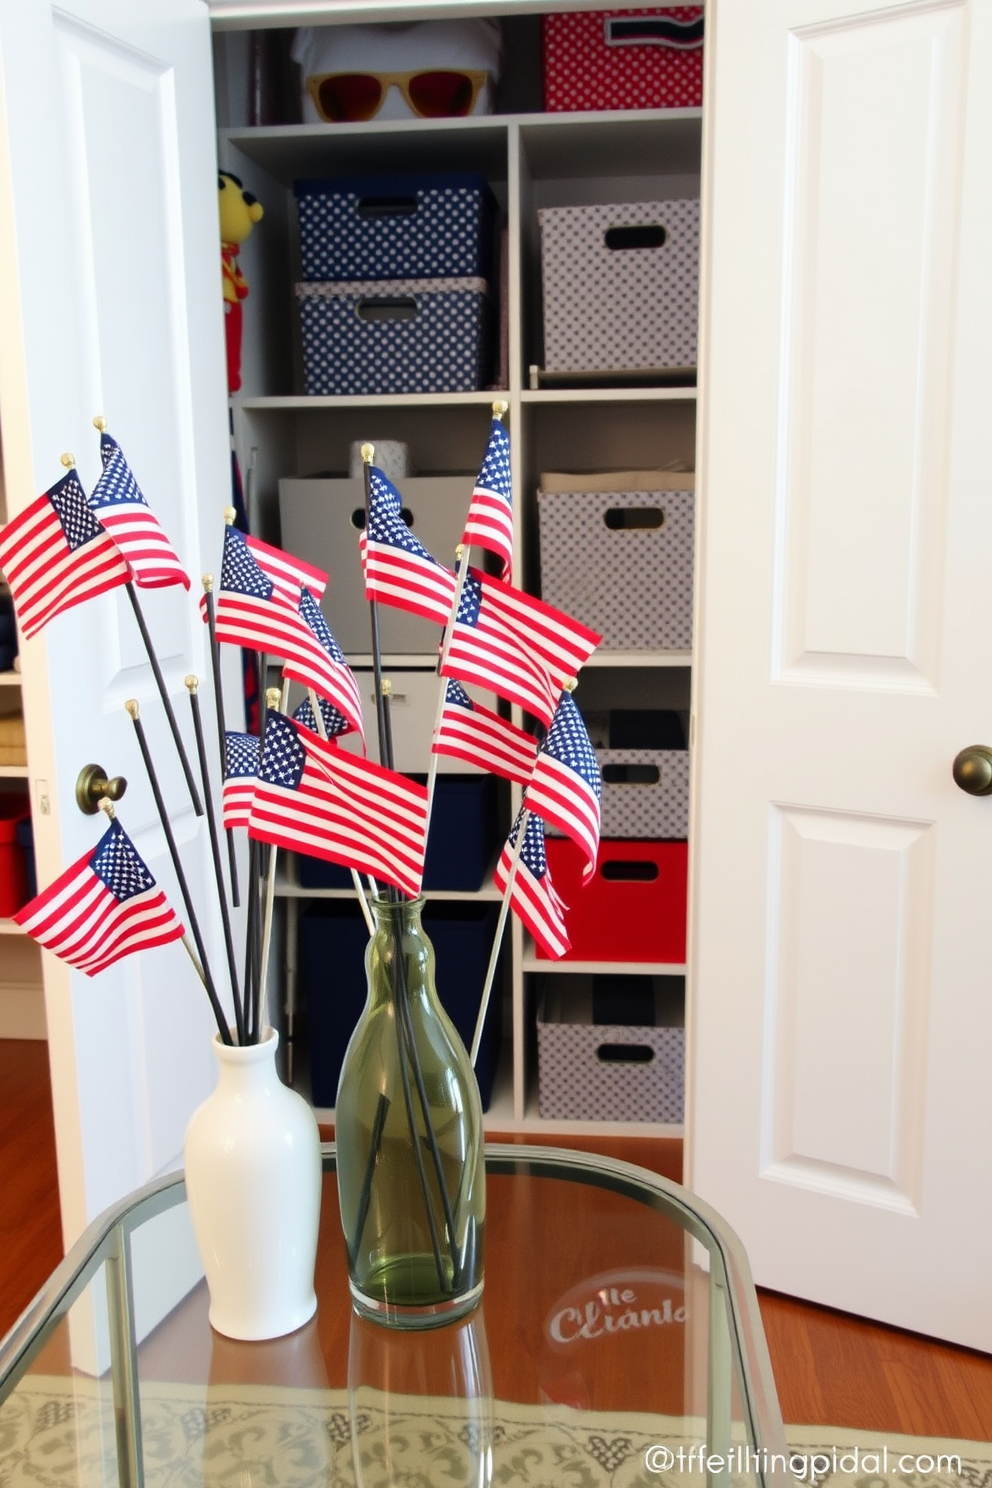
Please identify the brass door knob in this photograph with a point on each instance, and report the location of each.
(92, 785)
(972, 770)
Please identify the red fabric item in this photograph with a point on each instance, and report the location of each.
(583, 71)
(616, 919)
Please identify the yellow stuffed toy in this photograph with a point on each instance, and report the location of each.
(239, 211)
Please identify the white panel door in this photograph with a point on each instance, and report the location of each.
(111, 305)
(841, 997)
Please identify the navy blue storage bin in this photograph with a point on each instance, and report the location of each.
(461, 846)
(396, 227)
(25, 838)
(395, 336)
(333, 939)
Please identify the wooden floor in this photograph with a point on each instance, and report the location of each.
(830, 1369)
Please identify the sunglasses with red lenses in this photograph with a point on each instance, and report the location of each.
(354, 97)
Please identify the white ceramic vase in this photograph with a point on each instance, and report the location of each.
(253, 1180)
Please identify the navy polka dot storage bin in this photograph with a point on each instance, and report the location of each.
(395, 336)
(396, 227)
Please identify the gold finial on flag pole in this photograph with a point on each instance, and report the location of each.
(499, 408)
(207, 580)
(368, 453)
(100, 423)
(191, 683)
(272, 696)
(67, 460)
(229, 515)
(570, 684)
(131, 708)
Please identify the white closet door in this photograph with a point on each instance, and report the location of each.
(111, 305)
(841, 1006)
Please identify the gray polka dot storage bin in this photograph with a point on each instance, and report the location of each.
(621, 561)
(621, 286)
(605, 1071)
(395, 336)
(645, 794)
(396, 227)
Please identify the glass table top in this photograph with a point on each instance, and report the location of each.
(618, 1343)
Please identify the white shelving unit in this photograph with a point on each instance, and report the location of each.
(531, 160)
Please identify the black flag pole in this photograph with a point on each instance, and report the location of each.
(192, 686)
(163, 693)
(208, 600)
(134, 714)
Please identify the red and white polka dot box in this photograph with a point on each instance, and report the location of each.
(624, 59)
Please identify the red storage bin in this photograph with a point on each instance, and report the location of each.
(624, 59)
(14, 893)
(634, 908)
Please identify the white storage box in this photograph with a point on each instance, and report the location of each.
(395, 336)
(321, 519)
(621, 286)
(412, 710)
(621, 559)
(610, 1071)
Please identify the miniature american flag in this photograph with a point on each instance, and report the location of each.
(55, 554)
(317, 661)
(314, 797)
(483, 649)
(288, 574)
(398, 569)
(490, 514)
(120, 504)
(107, 905)
(564, 645)
(567, 786)
(251, 611)
(470, 732)
(532, 895)
(240, 773)
(335, 723)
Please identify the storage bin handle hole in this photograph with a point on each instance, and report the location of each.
(631, 774)
(387, 206)
(358, 517)
(629, 872)
(376, 308)
(635, 235)
(634, 518)
(625, 1053)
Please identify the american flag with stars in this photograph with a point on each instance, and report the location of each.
(397, 568)
(240, 773)
(288, 574)
(105, 906)
(314, 797)
(484, 650)
(470, 732)
(532, 894)
(320, 663)
(120, 504)
(564, 645)
(566, 788)
(250, 611)
(55, 554)
(335, 723)
(490, 514)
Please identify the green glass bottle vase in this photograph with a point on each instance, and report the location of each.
(408, 1131)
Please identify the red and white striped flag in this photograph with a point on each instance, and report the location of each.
(105, 906)
(240, 775)
(55, 554)
(485, 650)
(120, 504)
(490, 514)
(532, 895)
(313, 797)
(397, 568)
(288, 574)
(564, 645)
(470, 732)
(318, 662)
(566, 787)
